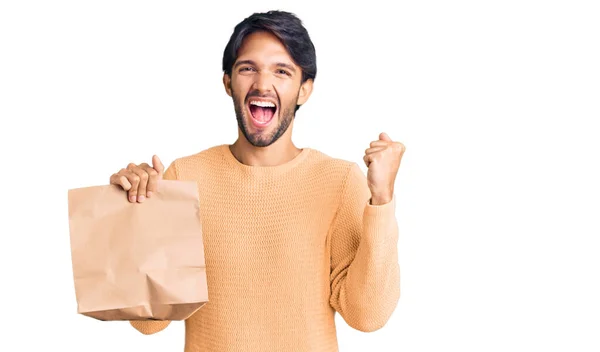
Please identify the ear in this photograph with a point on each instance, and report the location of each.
(227, 83)
(305, 91)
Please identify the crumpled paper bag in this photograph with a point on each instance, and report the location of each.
(137, 261)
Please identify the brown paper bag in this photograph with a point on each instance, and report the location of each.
(137, 261)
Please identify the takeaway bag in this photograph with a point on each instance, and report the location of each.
(137, 261)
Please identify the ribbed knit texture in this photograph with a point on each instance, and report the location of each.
(286, 247)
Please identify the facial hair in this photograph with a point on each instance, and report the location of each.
(262, 138)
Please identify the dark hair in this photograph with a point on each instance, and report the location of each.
(285, 26)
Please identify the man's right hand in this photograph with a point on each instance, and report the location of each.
(139, 180)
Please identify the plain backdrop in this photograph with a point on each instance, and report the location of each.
(498, 192)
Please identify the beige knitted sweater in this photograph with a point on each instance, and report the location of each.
(287, 247)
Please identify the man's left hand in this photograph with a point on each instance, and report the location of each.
(383, 160)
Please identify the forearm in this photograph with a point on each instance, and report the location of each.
(367, 289)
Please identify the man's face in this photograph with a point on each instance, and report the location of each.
(265, 86)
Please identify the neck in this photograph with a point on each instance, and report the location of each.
(277, 153)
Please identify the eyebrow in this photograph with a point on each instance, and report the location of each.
(288, 66)
(278, 64)
(244, 62)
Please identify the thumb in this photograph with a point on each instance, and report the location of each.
(384, 137)
(158, 166)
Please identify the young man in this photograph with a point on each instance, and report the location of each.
(291, 234)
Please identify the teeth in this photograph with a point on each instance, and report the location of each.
(264, 104)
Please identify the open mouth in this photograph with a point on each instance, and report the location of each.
(262, 111)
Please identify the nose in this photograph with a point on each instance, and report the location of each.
(264, 82)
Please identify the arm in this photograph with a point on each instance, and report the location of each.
(148, 327)
(365, 274)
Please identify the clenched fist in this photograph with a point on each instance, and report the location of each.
(383, 160)
(139, 180)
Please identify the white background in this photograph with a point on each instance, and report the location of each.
(497, 195)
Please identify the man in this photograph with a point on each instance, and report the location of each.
(291, 235)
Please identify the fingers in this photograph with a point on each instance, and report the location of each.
(153, 176)
(120, 179)
(385, 144)
(134, 180)
(384, 137)
(399, 146)
(128, 180)
(141, 183)
(158, 166)
(374, 150)
(379, 144)
(372, 154)
(368, 159)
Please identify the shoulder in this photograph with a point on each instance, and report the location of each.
(204, 156)
(334, 168)
(341, 177)
(323, 159)
(191, 166)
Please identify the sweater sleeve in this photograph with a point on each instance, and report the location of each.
(365, 273)
(148, 327)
